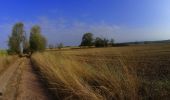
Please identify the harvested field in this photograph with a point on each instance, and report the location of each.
(132, 72)
(119, 73)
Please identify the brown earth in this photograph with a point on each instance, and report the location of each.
(20, 82)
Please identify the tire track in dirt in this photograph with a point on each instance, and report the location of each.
(7, 76)
(12, 87)
(25, 84)
(30, 87)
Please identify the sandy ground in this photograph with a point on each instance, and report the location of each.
(23, 83)
(7, 75)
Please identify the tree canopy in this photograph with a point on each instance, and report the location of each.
(37, 40)
(16, 37)
(87, 39)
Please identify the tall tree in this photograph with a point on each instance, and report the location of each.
(37, 40)
(16, 37)
(87, 39)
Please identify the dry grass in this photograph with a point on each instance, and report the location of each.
(5, 61)
(135, 72)
(70, 79)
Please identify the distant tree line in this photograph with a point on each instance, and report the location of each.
(89, 40)
(59, 46)
(18, 41)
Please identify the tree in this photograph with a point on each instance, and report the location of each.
(16, 38)
(106, 42)
(101, 42)
(37, 40)
(112, 42)
(87, 39)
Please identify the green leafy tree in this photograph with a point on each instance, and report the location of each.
(37, 40)
(87, 39)
(15, 39)
(101, 42)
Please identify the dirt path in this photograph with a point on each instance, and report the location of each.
(24, 84)
(6, 76)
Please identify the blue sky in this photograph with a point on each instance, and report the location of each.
(66, 20)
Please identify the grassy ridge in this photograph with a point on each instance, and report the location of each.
(70, 79)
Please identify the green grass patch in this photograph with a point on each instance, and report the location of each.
(3, 53)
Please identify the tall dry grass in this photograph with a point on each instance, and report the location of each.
(5, 61)
(70, 79)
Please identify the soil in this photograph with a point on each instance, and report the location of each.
(20, 82)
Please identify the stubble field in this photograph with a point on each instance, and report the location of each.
(131, 72)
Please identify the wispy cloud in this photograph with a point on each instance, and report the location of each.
(70, 33)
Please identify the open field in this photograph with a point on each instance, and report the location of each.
(132, 72)
(115, 73)
(85, 50)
